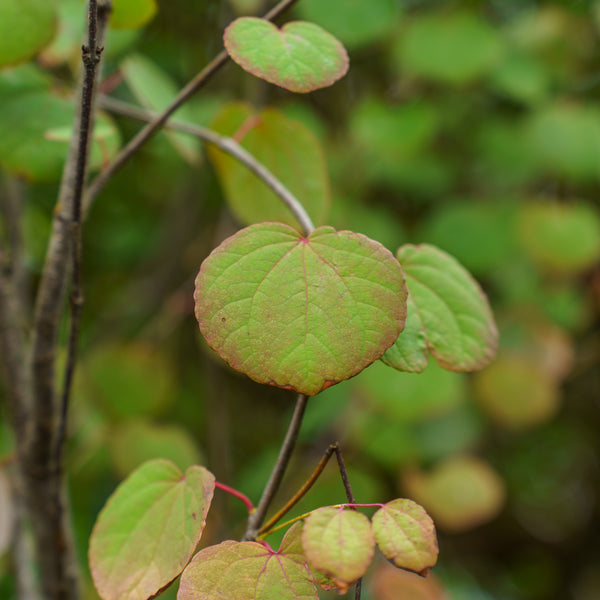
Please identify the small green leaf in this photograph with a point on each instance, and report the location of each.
(409, 354)
(132, 14)
(248, 571)
(300, 57)
(457, 319)
(452, 48)
(460, 493)
(406, 535)
(26, 26)
(300, 313)
(155, 90)
(28, 143)
(301, 166)
(356, 23)
(560, 237)
(148, 530)
(339, 543)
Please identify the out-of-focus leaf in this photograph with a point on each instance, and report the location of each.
(486, 239)
(300, 313)
(451, 48)
(66, 45)
(155, 90)
(148, 530)
(132, 14)
(454, 312)
(248, 571)
(566, 139)
(26, 27)
(129, 380)
(300, 166)
(389, 583)
(406, 535)
(410, 396)
(27, 145)
(7, 513)
(356, 23)
(560, 237)
(460, 493)
(522, 78)
(516, 393)
(339, 543)
(135, 442)
(300, 57)
(22, 79)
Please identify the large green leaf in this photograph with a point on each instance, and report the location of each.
(154, 89)
(248, 571)
(35, 129)
(339, 543)
(355, 22)
(406, 535)
(287, 148)
(454, 312)
(300, 57)
(300, 313)
(148, 530)
(26, 26)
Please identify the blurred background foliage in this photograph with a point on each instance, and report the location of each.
(473, 125)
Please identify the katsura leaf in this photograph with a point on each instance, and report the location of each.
(247, 571)
(339, 543)
(148, 530)
(406, 535)
(300, 57)
(300, 313)
(454, 312)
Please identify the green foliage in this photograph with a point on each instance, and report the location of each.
(300, 57)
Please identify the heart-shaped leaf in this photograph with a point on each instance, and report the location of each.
(301, 166)
(454, 312)
(300, 57)
(248, 571)
(405, 534)
(300, 313)
(339, 543)
(148, 530)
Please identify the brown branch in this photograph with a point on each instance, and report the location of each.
(256, 518)
(145, 134)
(42, 481)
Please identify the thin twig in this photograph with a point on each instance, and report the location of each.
(256, 518)
(228, 145)
(185, 94)
(91, 58)
(264, 530)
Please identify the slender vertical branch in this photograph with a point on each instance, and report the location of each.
(256, 518)
(42, 478)
(145, 134)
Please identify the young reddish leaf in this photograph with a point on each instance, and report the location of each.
(405, 534)
(148, 530)
(339, 543)
(300, 166)
(248, 571)
(300, 313)
(300, 57)
(456, 316)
